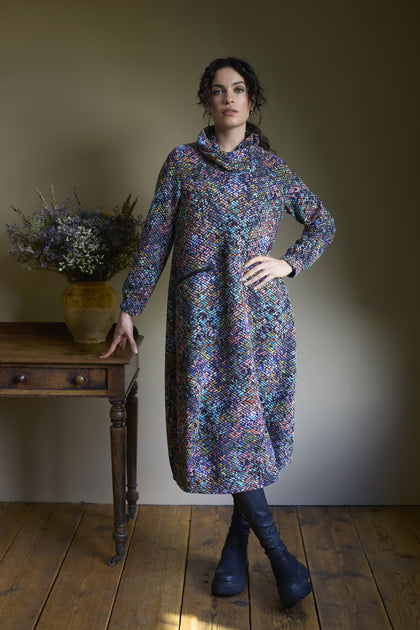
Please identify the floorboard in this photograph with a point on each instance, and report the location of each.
(150, 593)
(84, 592)
(12, 517)
(32, 562)
(345, 592)
(412, 514)
(364, 564)
(393, 551)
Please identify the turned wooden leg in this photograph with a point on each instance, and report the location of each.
(131, 407)
(118, 455)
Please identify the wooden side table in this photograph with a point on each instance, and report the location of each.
(42, 360)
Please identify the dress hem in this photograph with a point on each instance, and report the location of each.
(234, 489)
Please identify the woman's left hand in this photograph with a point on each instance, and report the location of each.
(266, 268)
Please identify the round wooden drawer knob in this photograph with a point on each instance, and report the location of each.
(80, 380)
(20, 378)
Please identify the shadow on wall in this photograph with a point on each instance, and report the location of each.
(351, 390)
(53, 447)
(32, 295)
(378, 329)
(38, 448)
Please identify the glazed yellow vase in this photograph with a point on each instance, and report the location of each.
(89, 310)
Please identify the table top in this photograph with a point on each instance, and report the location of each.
(51, 343)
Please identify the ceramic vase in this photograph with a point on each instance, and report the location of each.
(89, 310)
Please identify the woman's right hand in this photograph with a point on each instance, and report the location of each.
(123, 332)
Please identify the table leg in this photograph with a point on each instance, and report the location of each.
(131, 408)
(118, 455)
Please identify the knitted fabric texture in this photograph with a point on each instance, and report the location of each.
(230, 361)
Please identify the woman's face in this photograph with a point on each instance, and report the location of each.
(228, 105)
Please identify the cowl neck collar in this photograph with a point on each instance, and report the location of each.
(243, 158)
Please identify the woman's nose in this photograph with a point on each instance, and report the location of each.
(228, 97)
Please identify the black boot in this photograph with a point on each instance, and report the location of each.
(230, 575)
(292, 577)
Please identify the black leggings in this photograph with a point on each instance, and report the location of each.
(254, 507)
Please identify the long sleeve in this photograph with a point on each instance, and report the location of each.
(319, 228)
(155, 241)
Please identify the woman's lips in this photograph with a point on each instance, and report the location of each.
(229, 112)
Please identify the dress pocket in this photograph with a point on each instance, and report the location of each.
(193, 273)
(198, 307)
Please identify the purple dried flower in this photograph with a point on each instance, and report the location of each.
(81, 244)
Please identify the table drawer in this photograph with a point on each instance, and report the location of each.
(52, 378)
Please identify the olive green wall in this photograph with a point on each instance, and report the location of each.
(96, 94)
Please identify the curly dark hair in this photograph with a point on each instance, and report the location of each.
(253, 86)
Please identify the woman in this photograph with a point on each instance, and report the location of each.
(230, 338)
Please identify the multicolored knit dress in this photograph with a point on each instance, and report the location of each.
(230, 361)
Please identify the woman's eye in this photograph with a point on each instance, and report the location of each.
(239, 89)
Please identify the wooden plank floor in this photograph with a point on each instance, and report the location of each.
(364, 564)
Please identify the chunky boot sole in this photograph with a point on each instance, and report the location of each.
(221, 589)
(224, 588)
(296, 590)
